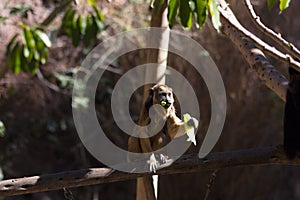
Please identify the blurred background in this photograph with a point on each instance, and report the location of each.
(41, 138)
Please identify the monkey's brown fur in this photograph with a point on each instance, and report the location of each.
(173, 128)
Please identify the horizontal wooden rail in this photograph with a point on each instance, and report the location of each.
(186, 164)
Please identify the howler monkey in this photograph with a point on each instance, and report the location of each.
(174, 127)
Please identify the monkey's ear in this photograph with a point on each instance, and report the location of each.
(151, 91)
(149, 100)
(171, 90)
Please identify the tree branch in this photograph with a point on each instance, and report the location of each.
(276, 37)
(228, 15)
(210, 184)
(186, 164)
(47, 83)
(147, 187)
(256, 59)
(55, 12)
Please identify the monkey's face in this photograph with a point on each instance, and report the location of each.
(162, 95)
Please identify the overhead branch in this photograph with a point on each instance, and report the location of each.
(186, 164)
(256, 59)
(276, 37)
(56, 12)
(229, 16)
(147, 187)
(159, 56)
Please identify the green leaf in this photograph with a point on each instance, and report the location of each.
(41, 51)
(172, 11)
(44, 38)
(99, 14)
(271, 3)
(27, 35)
(99, 24)
(29, 42)
(16, 59)
(33, 65)
(22, 9)
(185, 14)
(157, 4)
(24, 63)
(2, 133)
(91, 2)
(201, 11)
(80, 102)
(68, 23)
(75, 32)
(9, 45)
(91, 31)
(26, 52)
(192, 5)
(44, 55)
(81, 24)
(284, 4)
(215, 15)
(43, 60)
(65, 17)
(36, 55)
(2, 19)
(190, 131)
(64, 80)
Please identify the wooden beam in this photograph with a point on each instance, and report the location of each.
(186, 164)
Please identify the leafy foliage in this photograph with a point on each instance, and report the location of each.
(2, 133)
(201, 12)
(189, 10)
(172, 11)
(271, 3)
(92, 3)
(82, 28)
(284, 4)
(215, 15)
(185, 13)
(2, 19)
(64, 80)
(28, 54)
(21, 9)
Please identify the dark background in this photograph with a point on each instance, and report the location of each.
(41, 137)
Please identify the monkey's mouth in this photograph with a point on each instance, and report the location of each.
(165, 104)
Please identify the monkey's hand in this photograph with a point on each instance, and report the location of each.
(190, 125)
(163, 158)
(153, 163)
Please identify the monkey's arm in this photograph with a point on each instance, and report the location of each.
(176, 126)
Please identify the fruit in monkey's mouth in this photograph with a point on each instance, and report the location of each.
(163, 103)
